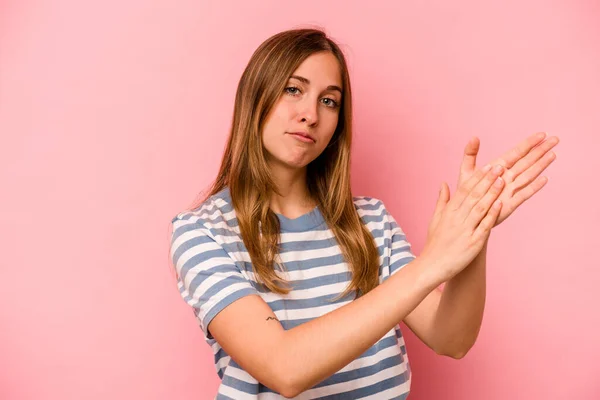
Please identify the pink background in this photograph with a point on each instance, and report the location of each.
(114, 116)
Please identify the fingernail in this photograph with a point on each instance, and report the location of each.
(487, 168)
(498, 169)
(498, 182)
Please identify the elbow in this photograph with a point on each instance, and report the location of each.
(286, 378)
(455, 349)
(280, 382)
(289, 393)
(287, 387)
(292, 382)
(456, 354)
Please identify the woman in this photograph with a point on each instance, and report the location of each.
(299, 286)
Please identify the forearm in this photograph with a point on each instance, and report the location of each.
(317, 349)
(460, 312)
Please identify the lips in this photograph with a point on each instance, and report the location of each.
(303, 134)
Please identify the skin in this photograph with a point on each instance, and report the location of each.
(457, 311)
(311, 107)
(291, 361)
(522, 166)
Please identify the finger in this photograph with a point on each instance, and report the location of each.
(465, 188)
(482, 207)
(526, 193)
(441, 202)
(537, 153)
(439, 206)
(533, 171)
(483, 230)
(513, 155)
(477, 204)
(470, 155)
(445, 193)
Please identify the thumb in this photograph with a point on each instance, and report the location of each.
(439, 206)
(443, 198)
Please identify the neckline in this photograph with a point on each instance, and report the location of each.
(303, 223)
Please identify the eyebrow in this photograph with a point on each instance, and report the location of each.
(304, 80)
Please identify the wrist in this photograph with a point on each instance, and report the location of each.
(431, 271)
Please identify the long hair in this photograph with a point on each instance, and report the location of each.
(245, 170)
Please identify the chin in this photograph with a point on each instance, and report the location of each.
(294, 163)
(291, 159)
(297, 165)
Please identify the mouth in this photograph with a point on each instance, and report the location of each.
(302, 136)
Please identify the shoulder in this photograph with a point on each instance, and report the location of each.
(375, 215)
(369, 206)
(212, 212)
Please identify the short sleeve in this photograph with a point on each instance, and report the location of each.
(207, 277)
(397, 246)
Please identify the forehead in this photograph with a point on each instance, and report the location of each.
(321, 69)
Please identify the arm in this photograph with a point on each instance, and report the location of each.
(449, 321)
(295, 360)
(460, 313)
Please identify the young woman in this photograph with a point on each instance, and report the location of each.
(299, 286)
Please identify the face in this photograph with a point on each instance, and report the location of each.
(310, 104)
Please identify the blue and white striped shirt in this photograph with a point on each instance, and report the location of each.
(214, 270)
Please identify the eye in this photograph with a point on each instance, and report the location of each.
(331, 102)
(293, 90)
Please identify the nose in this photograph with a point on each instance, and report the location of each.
(308, 112)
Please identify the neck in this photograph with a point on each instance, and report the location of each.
(294, 198)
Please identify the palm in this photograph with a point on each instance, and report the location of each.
(522, 166)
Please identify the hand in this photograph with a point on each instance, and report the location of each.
(523, 164)
(462, 224)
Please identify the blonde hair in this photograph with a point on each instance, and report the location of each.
(245, 170)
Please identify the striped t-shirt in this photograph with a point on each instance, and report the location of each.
(214, 270)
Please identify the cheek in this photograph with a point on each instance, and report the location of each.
(283, 109)
(332, 124)
(278, 119)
